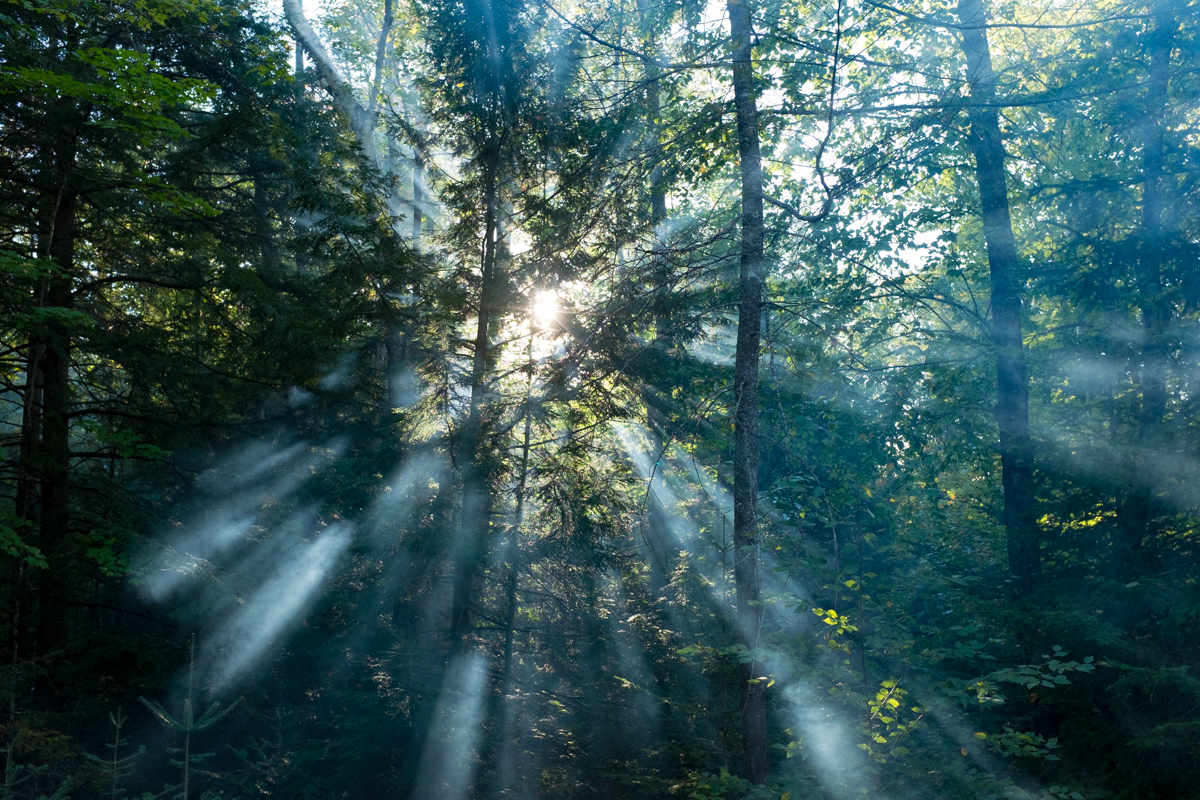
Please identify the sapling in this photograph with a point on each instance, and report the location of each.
(116, 768)
(188, 724)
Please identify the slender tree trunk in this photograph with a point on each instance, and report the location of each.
(394, 202)
(659, 266)
(31, 434)
(299, 45)
(658, 194)
(745, 391)
(1135, 510)
(382, 47)
(504, 713)
(514, 552)
(476, 497)
(26, 499)
(519, 520)
(1012, 381)
(53, 458)
(418, 213)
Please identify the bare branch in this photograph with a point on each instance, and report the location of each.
(817, 217)
(949, 25)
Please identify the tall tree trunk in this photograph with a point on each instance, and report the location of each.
(1135, 510)
(476, 504)
(658, 194)
(31, 434)
(52, 454)
(299, 45)
(745, 391)
(26, 499)
(393, 176)
(382, 48)
(1012, 380)
(659, 265)
(503, 766)
(418, 182)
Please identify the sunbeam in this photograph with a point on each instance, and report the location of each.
(234, 496)
(246, 636)
(449, 761)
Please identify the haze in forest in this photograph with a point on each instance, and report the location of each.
(531, 399)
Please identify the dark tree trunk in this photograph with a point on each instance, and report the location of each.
(745, 391)
(394, 201)
(31, 434)
(660, 267)
(505, 751)
(476, 504)
(1012, 380)
(26, 499)
(52, 457)
(658, 194)
(418, 214)
(1136, 509)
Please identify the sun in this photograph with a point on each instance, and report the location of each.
(545, 306)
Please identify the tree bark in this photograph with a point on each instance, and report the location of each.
(660, 267)
(658, 194)
(504, 713)
(381, 50)
(418, 182)
(1136, 509)
(1012, 380)
(299, 45)
(26, 499)
(476, 504)
(52, 455)
(31, 434)
(745, 391)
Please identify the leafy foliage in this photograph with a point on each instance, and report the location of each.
(427, 431)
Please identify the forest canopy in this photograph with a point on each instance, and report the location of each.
(480, 399)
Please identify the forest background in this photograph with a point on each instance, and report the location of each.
(377, 421)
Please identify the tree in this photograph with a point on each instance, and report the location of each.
(177, 282)
(1136, 508)
(1012, 380)
(745, 392)
(448, 498)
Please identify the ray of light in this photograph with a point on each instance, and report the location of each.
(840, 766)
(233, 496)
(450, 758)
(251, 630)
